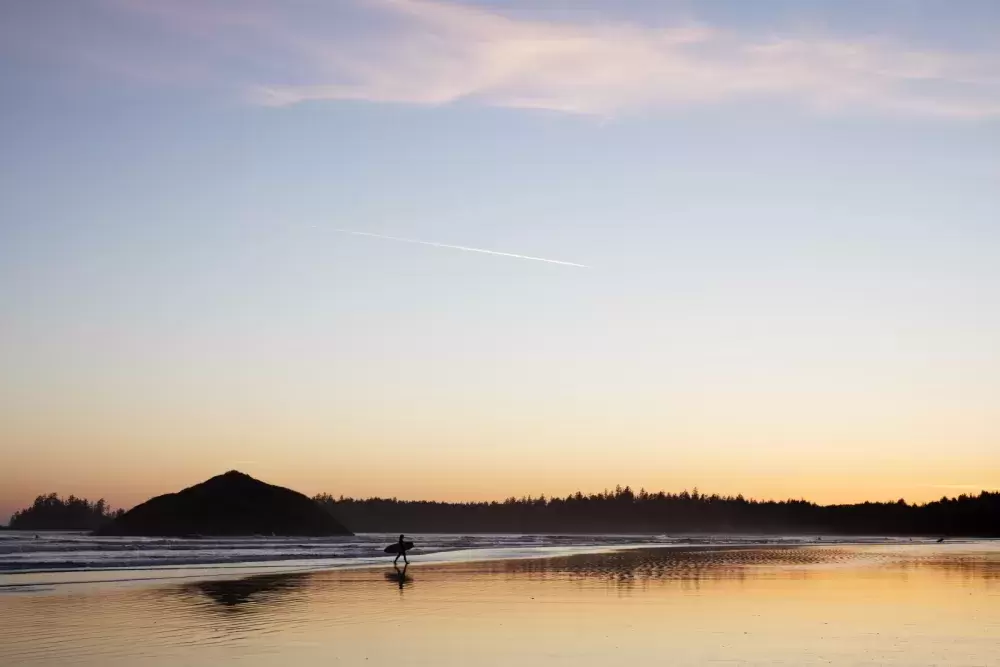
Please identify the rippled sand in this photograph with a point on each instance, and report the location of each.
(891, 605)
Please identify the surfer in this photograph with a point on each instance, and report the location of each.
(402, 551)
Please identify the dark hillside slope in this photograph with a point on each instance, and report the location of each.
(229, 504)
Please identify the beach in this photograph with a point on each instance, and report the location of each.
(892, 604)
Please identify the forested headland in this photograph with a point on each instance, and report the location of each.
(50, 512)
(626, 511)
(620, 511)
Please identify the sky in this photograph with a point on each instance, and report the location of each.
(469, 250)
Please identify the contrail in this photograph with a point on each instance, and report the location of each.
(461, 247)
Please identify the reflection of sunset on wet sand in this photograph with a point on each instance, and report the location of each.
(869, 604)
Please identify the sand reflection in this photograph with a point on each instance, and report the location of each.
(399, 577)
(249, 593)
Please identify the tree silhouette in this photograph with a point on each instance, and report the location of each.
(50, 512)
(623, 511)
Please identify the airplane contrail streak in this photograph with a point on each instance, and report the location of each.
(460, 247)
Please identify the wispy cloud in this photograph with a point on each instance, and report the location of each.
(461, 247)
(439, 53)
(428, 52)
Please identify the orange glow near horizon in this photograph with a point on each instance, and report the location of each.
(456, 444)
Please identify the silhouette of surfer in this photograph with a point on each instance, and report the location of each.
(402, 551)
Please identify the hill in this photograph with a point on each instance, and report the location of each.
(230, 504)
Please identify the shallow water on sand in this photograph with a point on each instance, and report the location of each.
(867, 604)
(24, 552)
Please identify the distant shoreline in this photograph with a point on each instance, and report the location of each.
(191, 512)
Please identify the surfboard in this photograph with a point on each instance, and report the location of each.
(394, 548)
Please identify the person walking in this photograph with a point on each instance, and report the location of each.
(402, 551)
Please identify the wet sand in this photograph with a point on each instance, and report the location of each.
(887, 605)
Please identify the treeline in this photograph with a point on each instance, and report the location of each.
(54, 513)
(625, 511)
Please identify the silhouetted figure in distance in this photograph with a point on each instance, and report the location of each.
(401, 552)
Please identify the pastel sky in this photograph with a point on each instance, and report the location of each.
(778, 222)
